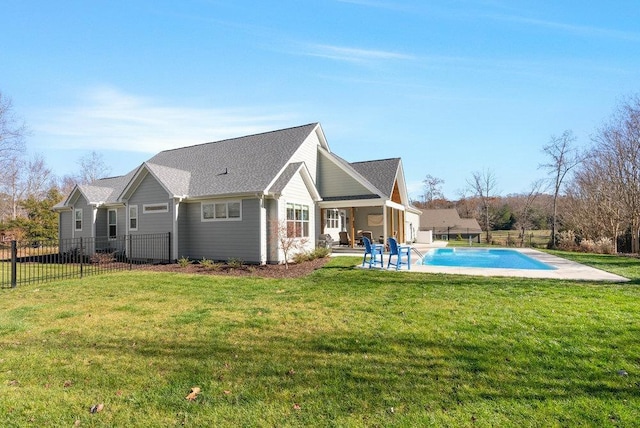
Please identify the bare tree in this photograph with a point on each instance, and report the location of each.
(282, 234)
(432, 187)
(618, 147)
(563, 157)
(12, 132)
(22, 179)
(483, 185)
(92, 168)
(596, 201)
(524, 207)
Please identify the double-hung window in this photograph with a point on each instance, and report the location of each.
(78, 218)
(221, 211)
(297, 221)
(133, 217)
(112, 221)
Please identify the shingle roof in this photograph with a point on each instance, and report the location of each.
(105, 190)
(285, 177)
(235, 166)
(381, 173)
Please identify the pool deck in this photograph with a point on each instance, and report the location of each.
(565, 269)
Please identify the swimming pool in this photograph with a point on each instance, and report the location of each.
(497, 258)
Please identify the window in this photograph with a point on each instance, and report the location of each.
(220, 211)
(332, 220)
(112, 221)
(297, 221)
(155, 208)
(78, 218)
(133, 217)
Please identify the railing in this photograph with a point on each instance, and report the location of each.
(40, 261)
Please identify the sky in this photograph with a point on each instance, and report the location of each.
(451, 87)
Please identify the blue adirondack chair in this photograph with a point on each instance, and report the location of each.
(373, 250)
(401, 252)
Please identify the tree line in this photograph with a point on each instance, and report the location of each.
(28, 187)
(588, 197)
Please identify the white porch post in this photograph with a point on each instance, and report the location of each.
(385, 228)
(174, 238)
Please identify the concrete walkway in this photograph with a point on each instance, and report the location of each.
(565, 269)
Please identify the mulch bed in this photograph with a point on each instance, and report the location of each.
(296, 270)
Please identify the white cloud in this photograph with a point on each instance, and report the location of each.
(343, 53)
(108, 119)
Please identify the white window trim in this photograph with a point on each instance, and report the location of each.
(164, 209)
(75, 221)
(137, 217)
(109, 224)
(331, 221)
(216, 202)
(309, 220)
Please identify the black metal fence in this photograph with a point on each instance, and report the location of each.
(40, 261)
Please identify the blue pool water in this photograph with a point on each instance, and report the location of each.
(482, 258)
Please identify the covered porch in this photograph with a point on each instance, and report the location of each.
(378, 218)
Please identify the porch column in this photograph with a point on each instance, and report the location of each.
(352, 222)
(385, 222)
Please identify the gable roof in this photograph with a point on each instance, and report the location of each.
(381, 173)
(101, 191)
(289, 172)
(241, 165)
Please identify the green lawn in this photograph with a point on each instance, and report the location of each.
(342, 347)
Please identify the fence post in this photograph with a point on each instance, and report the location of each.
(169, 246)
(127, 244)
(14, 264)
(81, 257)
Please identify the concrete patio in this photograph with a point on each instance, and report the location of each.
(565, 269)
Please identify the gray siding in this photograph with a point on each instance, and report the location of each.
(151, 192)
(87, 219)
(64, 226)
(333, 181)
(222, 240)
(184, 232)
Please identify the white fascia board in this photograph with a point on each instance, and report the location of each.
(137, 178)
(321, 137)
(402, 185)
(308, 181)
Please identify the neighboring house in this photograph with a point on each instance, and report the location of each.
(221, 200)
(446, 224)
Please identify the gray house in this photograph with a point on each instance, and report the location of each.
(220, 200)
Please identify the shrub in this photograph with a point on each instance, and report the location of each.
(567, 240)
(183, 261)
(588, 246)
(320, 253)
(234, 263)
(305, 256)
(605, 246)
(301, 257)
(209, 264)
